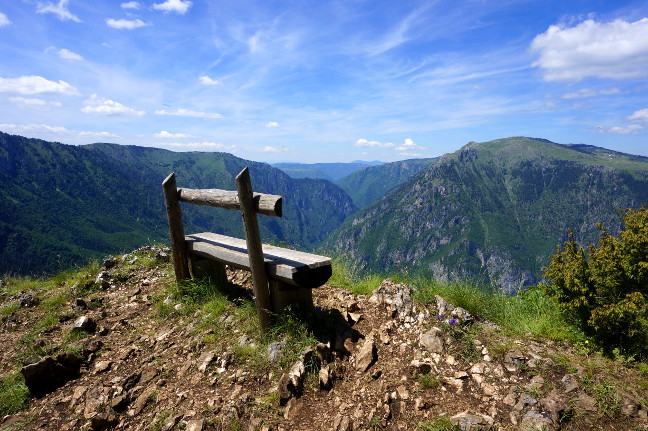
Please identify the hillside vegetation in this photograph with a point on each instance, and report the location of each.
(494, 211)
(62, 204)
(367, 185)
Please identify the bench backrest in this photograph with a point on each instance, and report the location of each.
(245, 200)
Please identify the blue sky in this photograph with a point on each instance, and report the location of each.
(325, 81)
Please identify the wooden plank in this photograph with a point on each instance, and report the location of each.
(176, 229)
(255, 251)
(271, 205)
(294, 267)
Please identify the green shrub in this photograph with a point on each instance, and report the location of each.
(13, 393)
(604, 289)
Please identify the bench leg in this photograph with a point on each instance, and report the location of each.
(280, 297)
(202, 268)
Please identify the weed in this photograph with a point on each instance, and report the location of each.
(13, 393)
(605, 393)
(428, 381)
(9, 308)
(441, 423)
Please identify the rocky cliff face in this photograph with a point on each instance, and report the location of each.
(130, 355)
(494, 211)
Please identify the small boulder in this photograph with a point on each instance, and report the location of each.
(367, 355)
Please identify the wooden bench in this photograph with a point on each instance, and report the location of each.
(280, 276)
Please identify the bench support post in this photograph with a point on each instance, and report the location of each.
(255, 250)
(282, 296)
(202, 268)
(174, 214)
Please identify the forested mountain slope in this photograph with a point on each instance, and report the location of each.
(494, 211)
(62, 204)
(371, 183)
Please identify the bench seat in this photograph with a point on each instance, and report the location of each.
(296, 268)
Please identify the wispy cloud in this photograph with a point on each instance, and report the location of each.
(100, 105)
(66, 54)
(181, 112)
(272, 124)
(613, 50)
(59, 9)
(33, 103)
(188, 146)
(372, 144)
(30, 85)
(588, 92)
(98, 135)
(270, 149)
(631, 129)
(34, 129)
(126, 24)
(640, 115)
(130, 5)
(166, 135)
(4, 20)
(177, 6)
(206, 80)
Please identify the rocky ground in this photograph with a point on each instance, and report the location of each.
(142, 359)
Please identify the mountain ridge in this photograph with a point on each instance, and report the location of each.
(493, 211)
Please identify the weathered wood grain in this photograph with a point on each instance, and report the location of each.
(254, 248)
(296, 268)
(271, 205)
(176, 229)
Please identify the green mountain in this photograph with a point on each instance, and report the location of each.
(371, 183)
(327, 171)
(62, 204)
(494, 211)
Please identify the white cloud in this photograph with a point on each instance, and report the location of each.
(615, 50)
(588, 92)
(60, 10)
(126, 24)
(181, 112)
(269, 149)
(199, 145)
(206, 80)
(33, 128)
(130, 5)
(66, 54)
(372, 144)
(33, 103)
(272, 124)
(632, 129)
(166, 135)
(409, 145)
(100, 105)
(4, 20)
(98, 135)
(178, 6)
(640, 115)
(35, 85)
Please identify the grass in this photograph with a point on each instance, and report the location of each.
(528, 312)
(13, 393)
(347, 278)
(441, 423)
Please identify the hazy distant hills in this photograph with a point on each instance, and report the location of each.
(494, 211)
(327, 171)
(62, 204)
